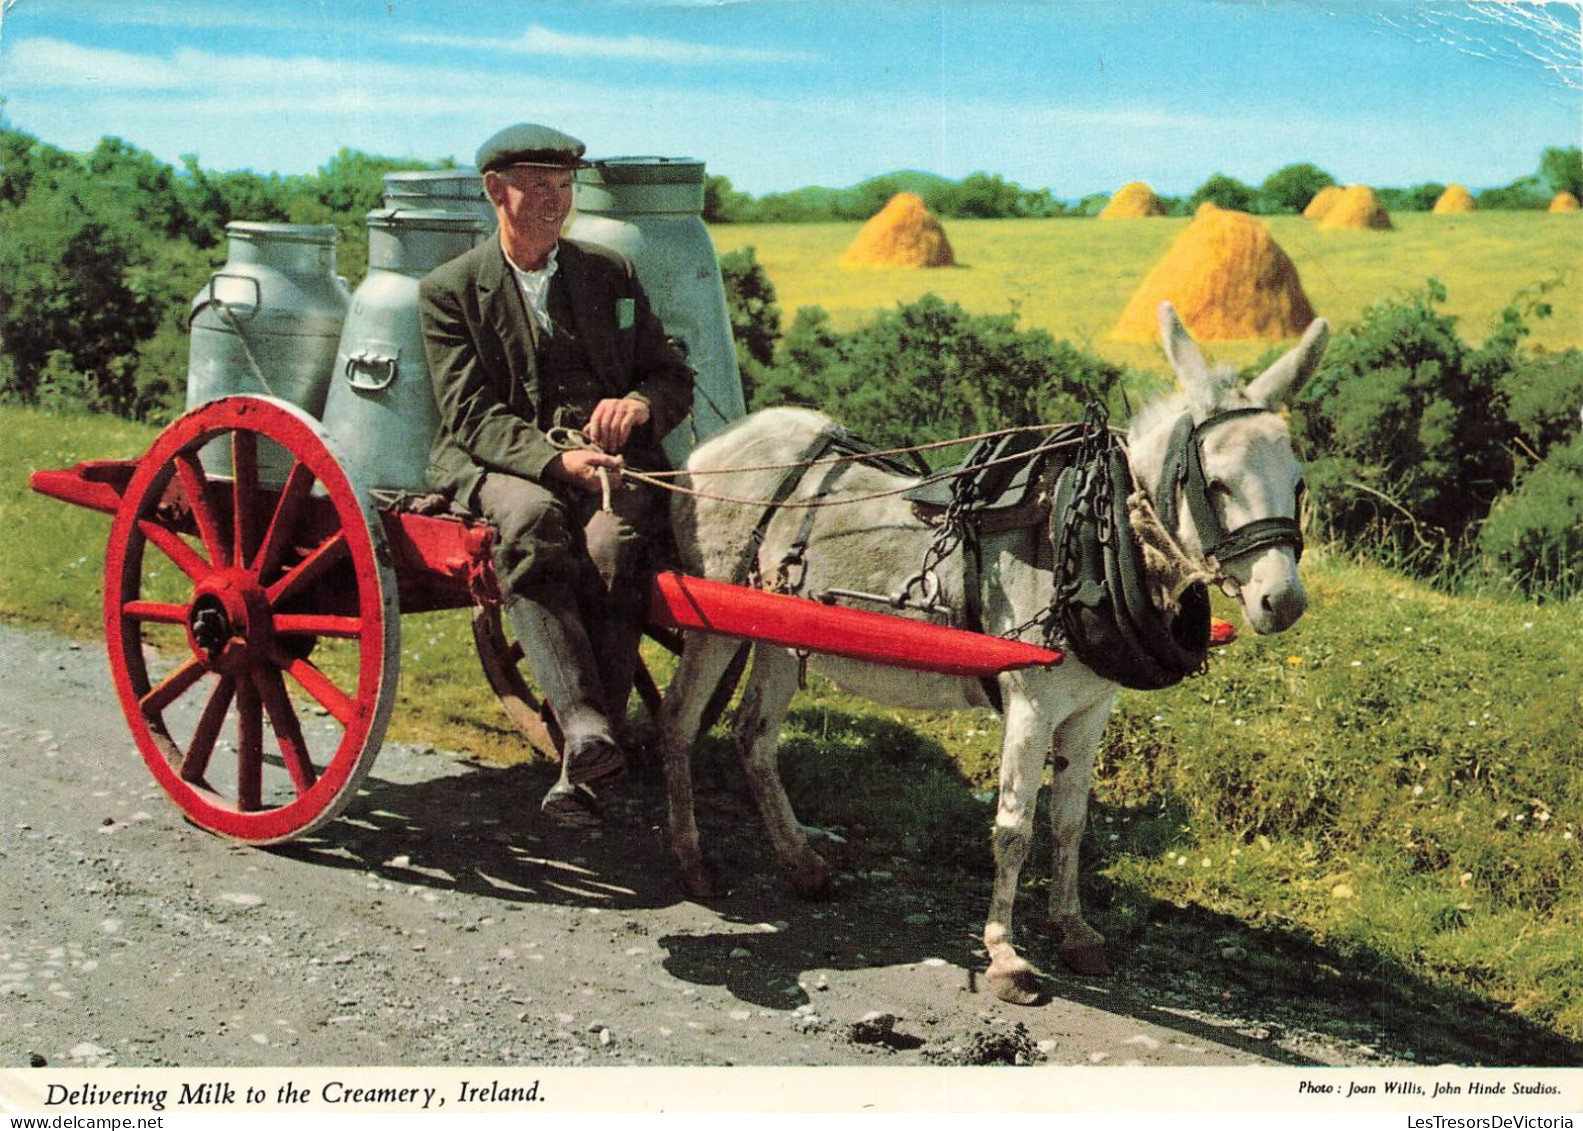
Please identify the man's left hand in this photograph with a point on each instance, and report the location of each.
(612, 422)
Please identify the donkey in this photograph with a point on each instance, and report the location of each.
(1239, 530)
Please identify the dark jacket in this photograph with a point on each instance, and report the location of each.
(479, 338)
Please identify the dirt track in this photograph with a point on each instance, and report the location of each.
(440, 922)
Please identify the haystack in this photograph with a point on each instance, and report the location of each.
(1565, 202)
(1227, 278)
(1324, 200)
(1131, 202)
(1357, 207)
(902, 234)
(1455, 199)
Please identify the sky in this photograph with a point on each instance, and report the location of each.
(1074, 96)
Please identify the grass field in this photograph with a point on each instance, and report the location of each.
(1073, 277)
(1395, 787)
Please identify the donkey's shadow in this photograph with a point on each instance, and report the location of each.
(477, 831)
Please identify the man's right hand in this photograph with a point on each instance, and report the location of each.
(580, 467)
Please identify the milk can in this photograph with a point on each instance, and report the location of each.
(268, 322)
(448, 190)
(380, 410)
(650, 209)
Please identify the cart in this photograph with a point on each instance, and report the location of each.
(252, 586)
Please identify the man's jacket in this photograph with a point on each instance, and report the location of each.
(480, 342)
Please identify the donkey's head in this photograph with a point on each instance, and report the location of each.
(1217, 460)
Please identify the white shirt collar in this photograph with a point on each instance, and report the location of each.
(535, 287)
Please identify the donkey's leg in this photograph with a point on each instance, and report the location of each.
(1082, 947)
(704, 660)
(1022, 752)
(757, 734)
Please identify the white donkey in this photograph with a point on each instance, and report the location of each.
(1249, 481)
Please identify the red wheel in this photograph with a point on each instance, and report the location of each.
(269, 611)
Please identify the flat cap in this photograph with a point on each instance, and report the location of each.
(529, 144)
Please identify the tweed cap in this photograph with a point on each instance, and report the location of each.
(529, 144)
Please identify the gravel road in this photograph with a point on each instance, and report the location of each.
(441, 922)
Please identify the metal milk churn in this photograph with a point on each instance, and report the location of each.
(650, 209)
(380, 410)
(268, 323)
(446, 190)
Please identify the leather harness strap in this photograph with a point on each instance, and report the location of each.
(1183, 473)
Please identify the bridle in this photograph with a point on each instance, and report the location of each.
(1182, 475)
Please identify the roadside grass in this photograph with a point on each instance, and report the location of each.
(1073, 277)
(1398, 774)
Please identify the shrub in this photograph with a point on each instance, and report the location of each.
(1404, 429)
(1543, 396)
(1534, 536)
(931, 371)
(754, 313)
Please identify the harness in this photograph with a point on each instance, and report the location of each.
(1183, 472)
(1102, 610)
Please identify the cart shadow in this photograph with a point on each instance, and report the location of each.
(477, 830)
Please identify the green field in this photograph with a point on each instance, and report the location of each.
(1382, 808)
(1073, 277)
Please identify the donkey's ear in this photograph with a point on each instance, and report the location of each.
(1278, 384)
(1184, 355)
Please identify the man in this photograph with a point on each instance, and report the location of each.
(528, 336)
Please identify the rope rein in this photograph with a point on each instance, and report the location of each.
(568, 439)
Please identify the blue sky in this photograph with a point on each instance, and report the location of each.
(1077, 96)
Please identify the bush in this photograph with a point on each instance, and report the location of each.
(931, 371)
(754, 313)
(1543, 396)
(1534, 536)
(1405, 431)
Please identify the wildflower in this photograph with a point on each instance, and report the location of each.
(1295, 661)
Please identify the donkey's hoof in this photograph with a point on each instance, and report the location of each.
(1088, 959)
(702, 883)
(1014, 981)
(811, 878)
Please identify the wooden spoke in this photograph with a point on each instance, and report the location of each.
(320, 624)
(320, 686)
(244, 495)
(196, 486)
(299, 484)
(188, 560)
(173, 687)
(328, 553)
(288, 732)
(195, 763)
(158, 612)
(249, 748)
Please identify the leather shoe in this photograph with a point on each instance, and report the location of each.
(571, 806)
(593, 758)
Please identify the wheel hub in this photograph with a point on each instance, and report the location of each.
(229, 625)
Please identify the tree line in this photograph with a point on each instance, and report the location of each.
(1286, 191)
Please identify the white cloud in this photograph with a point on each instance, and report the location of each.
(54, 63)
(543, 41)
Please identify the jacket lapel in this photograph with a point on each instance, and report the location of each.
(500, 300)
